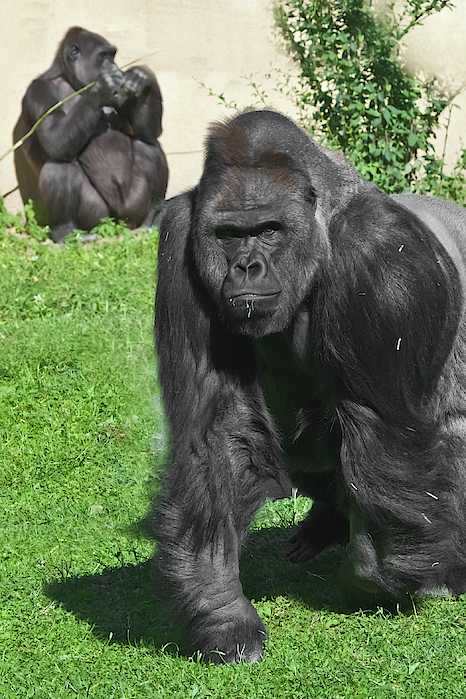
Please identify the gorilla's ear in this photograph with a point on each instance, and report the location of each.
(74, 52)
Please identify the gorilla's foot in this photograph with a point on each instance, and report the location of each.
(322, 527)
(226, 639)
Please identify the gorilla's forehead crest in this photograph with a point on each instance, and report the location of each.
(265, 139)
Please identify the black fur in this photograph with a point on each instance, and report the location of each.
(307, 321)
(97, 155)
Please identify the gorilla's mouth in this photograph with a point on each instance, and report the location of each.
(255, 297)
(253, 303)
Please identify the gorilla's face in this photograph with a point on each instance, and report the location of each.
(87, 55)
(257, 244)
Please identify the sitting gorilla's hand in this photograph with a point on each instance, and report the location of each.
(108, 83)
(134, 82)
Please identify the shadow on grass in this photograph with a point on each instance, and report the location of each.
(125, 604)
(129, 604)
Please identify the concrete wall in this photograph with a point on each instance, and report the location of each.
(439, 48)
(185, 42)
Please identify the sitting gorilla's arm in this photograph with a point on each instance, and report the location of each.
(65, 132)
(140, 102)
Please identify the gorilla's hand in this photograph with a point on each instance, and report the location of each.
(108, 83)
(134, 82)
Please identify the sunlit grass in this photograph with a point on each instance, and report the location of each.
(82, 442)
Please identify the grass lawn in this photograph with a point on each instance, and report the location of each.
(82, 443)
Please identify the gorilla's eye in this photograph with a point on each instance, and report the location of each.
(228, 232)
(268, 232)
(106, 54)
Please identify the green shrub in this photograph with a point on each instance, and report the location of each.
(7, 220)
(107, 228)
(358, 97)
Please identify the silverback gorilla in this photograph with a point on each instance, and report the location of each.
(97, 155)
(305, 320)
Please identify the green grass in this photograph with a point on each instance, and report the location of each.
(82, 443)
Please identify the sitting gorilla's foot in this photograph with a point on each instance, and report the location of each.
(323, 526)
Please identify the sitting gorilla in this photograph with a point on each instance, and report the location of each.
(307, 321)
(97, 154)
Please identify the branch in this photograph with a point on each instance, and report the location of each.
(424, 13)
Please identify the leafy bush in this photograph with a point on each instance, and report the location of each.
(358, 98)
(27, 225)
(30, 224)
(109, 228)
(7, 220)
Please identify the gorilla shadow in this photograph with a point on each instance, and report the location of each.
(266, 572)
(123, 604)
(128, 602)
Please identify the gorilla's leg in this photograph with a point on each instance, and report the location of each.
(70, 199)
(148, 185)
(364, 576)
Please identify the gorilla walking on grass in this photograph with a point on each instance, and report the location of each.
(306, 322)
(97, 155)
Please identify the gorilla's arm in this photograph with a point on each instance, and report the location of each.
(222, 440)
(140, 103)
(388, 310)
(66, 131)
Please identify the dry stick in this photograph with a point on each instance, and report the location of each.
(10, 192)
(58, 104)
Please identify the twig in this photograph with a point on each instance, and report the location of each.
(10, 192)
(39, 121)
(450, 109)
